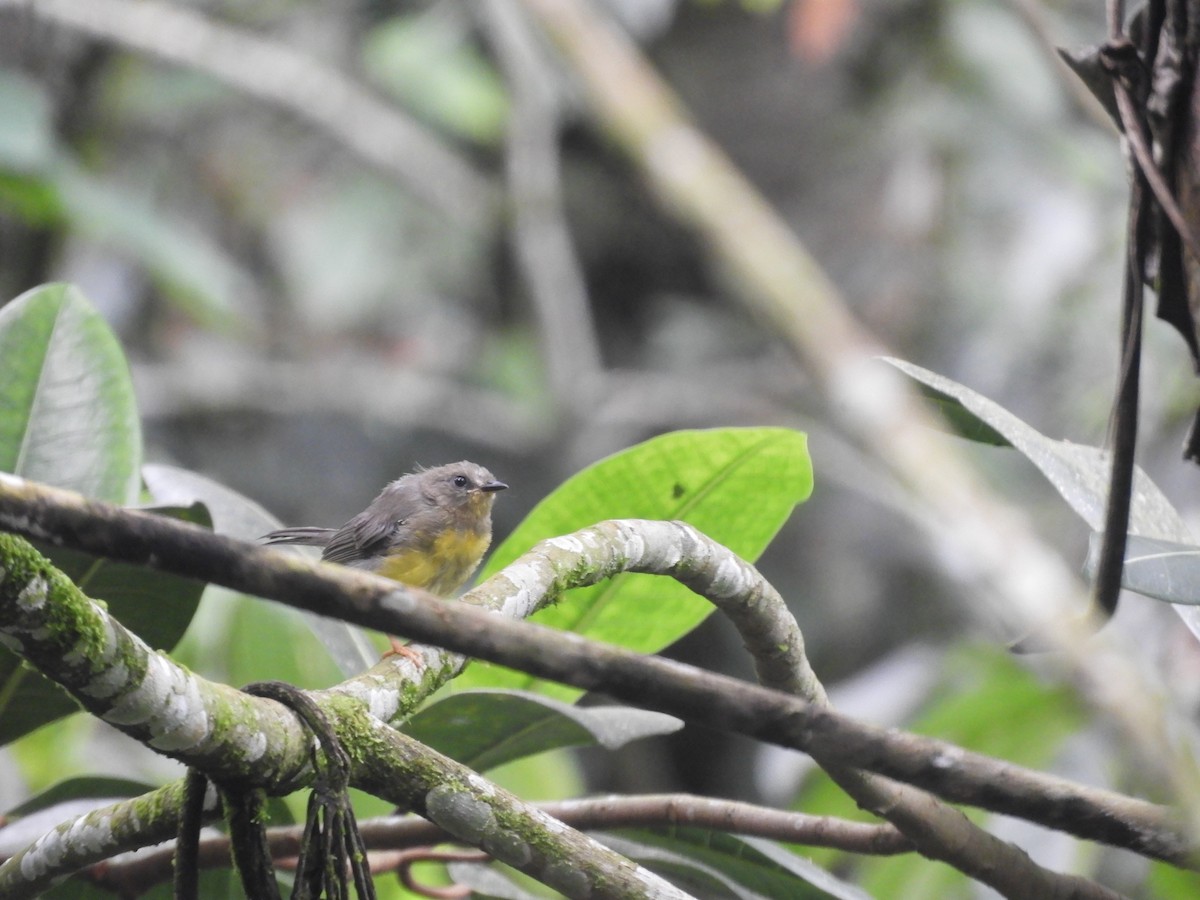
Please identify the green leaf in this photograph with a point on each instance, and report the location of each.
(717, 864)
(67, 410)
(155, 605)
(1164, 570)
(485, 729)
(1078, 472)
(737, 485)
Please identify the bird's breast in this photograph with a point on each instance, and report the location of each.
(442, 566)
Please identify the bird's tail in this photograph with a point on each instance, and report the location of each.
(310, 536)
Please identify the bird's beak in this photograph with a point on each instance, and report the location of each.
(491, 487)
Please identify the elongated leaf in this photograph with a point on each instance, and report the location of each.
(240, 517)
(724, 865)
(67, 410)
(737, 485)
(1078, 472)
(1164, 570)
(156, 606)
(485, 729)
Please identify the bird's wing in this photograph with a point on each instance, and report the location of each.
(372, 530)
(313, 537)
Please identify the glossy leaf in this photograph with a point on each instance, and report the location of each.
(67, 410)
(485, 729)
(737, 485)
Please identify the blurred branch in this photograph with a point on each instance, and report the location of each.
(591, 555)
(540, 237)
(1011, 574)
(623, 401)
(306, 87)
(133, 875)
(377, 392)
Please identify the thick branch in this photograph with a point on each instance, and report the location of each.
(248, 740)
(690, 693)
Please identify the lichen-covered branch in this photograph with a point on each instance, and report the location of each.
(232, 736)
(70, 638)
(477, 812)
(92, 837)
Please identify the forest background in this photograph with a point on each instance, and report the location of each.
(320, 283)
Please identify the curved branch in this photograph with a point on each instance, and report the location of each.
(937, 831)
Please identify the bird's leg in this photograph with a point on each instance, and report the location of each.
(400, 649)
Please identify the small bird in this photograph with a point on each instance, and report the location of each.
(428, 529)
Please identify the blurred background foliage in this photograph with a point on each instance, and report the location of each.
(307, 315)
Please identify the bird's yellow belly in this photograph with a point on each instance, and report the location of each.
(442, 567)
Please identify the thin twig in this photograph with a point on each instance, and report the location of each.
(541, 240)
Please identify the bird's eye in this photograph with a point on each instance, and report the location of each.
(461, 481)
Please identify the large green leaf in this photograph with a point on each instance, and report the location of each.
(737, 485)
(155, 605)
(485, 729)
(67, 410)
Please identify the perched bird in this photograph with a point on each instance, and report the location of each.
(428, 529)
